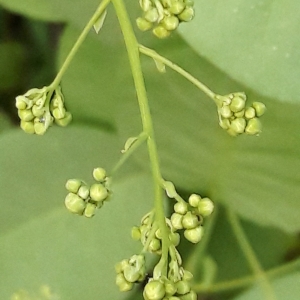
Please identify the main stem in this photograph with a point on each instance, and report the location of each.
(101, 8)
(138, 78)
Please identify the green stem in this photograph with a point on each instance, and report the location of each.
(138, 78)
(245, 281)
(250, 256)
(185, 74)
(101, 8)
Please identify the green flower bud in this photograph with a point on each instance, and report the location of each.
(177, 7)
(83, 192)
(181, 207)
(190, 296)
(250, 113)
(253, 127)
(59, 113)
(143, 24)
(176, 221)
(187, 15)
(238, 125)
(194, 235)
(225, 112)
(99, 174)
(170, 288)
(161, 32)
(37, 112)
(154, 290)
(187, 275)
(135, 233)
(174, 238)
(205, 207)
(25, 115)
(131, 274)
(154, 245)
(73, 185)
(120, 266)
(21, 102)
(39, 128)
(90, 210)
(170, 22)
(75, 204)
(224, 123)
(240, 114)
(237, 103)
(123, 284)
(190, 220)
(151, 15)
(260, 108)
(28, 127)
(183, 287)
(194, 200)
(98, 192)
(64, 121)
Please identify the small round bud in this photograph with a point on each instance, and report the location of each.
(161, 32)
(187, 15)
(225, 112)
(83, 192)
(237, 104)
(59, 113)
(64, 121)
(154, 290)
(143, 24)
(90, 210)
(151, 15)
(123, 284)
(187, 275)
(28, 127)
(240, 114)
(238, 125)
(176, 221)
(154, 245)
(194, 235)
(183, 287)
(39, 128)
(253, 126)
(194, 200)
(224, 123)
(37, 112)
(131, 274)
(75, 204)
(135, 233)
(20, 103)
(181, 207)
(205, 207)
(26, 115)
(73, 185)
(250, 113)
(120, 266)
(190, 296)
(98, 192)
(174, 238)
(176, 7)
(99, 174)
(170, 288)
(190, 220)
(170, 22)
(260, 108)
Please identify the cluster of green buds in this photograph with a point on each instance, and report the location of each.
(150, 235)
(236, 118)
(130, 271)
(83, 199)
(39, 108)
(164, 16)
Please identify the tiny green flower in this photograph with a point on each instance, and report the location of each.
(73, 185)
(90, 210)
(205, 207)
(259, 107)
(187, 14)
(143, 24)
(154, 290)
(190, 220)
(99, 174)
(183, 287)
(194, 235)
(123, 284)
(253, 127)
(161, 32)
(194, 200)
(181, 207)
(75, 204)
(98, 192)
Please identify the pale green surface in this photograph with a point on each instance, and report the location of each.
(42, 243)
(255, 42)
(286, 288)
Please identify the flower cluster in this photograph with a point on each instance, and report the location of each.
(83, 199)
(38, 108)
(164, 16)
(236, 118)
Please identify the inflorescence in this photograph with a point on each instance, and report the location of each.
(236, 118)
(38, 108)
(164, 16)
(170, 281)
(84, 199)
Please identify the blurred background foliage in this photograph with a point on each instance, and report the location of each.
(232, 46)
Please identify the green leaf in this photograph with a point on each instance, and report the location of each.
(44, 244)
(285, 288)
(255, 43)
(256, 176)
